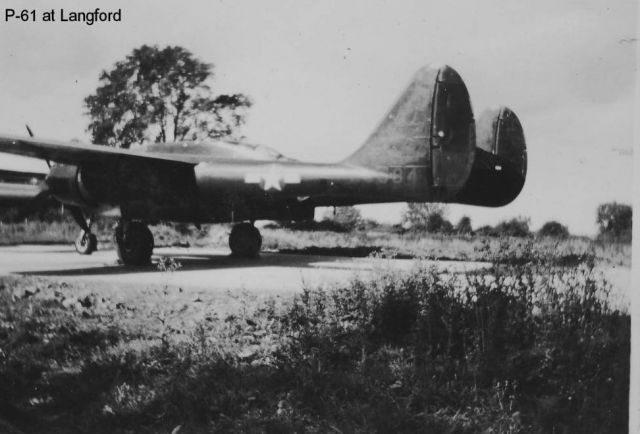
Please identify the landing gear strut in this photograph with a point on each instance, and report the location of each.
(86, 243)
(245, 241)
(134, 242)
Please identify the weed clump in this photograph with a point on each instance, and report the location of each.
(509, 351)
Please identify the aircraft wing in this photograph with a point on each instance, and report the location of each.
(75, 153)
(17, 193)
(18, 187)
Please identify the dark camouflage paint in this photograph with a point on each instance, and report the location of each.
(423, 150)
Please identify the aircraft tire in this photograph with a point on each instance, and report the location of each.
(134, 243)
(86, 243)
(245, 241)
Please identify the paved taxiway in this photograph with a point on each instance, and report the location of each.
(211, 269)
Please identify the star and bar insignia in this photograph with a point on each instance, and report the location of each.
(274, 178)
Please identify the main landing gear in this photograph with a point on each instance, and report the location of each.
(245, 241)
(134, 242)
(133, 239)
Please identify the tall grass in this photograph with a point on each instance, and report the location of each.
(504, 249)
(518, 348)
(511, 351)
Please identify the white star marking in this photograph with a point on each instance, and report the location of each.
(273, 179)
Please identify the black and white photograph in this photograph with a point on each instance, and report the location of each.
(318, 216)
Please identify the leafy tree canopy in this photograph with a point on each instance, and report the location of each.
(161, 95)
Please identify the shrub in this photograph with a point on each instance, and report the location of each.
(415, 353)
(345, 217)
(614, 221)
(516, 227)
(429, 217)
(554, 229)
(487, 231)
(464, 226)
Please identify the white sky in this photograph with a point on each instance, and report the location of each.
(322, 73)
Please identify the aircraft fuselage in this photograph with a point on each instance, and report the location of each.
(223, 191)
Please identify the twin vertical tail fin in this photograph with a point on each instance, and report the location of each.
(500, 166)
(430, 130)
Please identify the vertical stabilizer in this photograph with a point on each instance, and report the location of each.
(430, 128)
(500, 166)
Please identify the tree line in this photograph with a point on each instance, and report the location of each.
(614, 221)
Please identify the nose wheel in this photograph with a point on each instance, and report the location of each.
(134, 243)
(245, 241)
(86, 243)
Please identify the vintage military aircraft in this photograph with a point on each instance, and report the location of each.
(424, 150)
(17, 186)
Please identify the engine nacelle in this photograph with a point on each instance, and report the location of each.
(500, 166)
(65, 184)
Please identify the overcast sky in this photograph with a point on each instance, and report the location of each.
(322, 73)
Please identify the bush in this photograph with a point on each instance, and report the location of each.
(464, 226)
(516, 227)
(345, 217)
(416, 354)
(487, 231)
(614, 222)
(429, 217)
(554, 229)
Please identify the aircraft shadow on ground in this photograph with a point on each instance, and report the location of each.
(200, 261)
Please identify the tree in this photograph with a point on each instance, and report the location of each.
(554, 229)
(428, 217)
(161, 95)
(464, 226)
(614, 221)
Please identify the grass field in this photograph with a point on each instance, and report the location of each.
(538, 343)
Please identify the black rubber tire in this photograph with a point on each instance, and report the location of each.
(86, 243)
(134, 243)
(245, 241)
